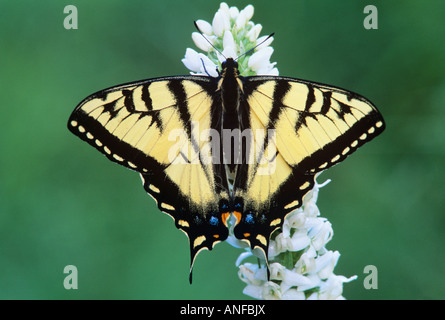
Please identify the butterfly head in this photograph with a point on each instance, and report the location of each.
(230, 67)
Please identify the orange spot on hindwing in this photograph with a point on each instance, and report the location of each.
(224, 217)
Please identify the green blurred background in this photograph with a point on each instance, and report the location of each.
(63, 203)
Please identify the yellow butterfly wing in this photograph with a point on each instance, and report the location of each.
(299, 128)
(155, 127)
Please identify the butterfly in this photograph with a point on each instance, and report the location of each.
(208, 148)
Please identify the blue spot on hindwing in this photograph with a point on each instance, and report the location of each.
(214, 221)
(249, 218)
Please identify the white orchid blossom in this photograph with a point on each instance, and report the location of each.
(300, 265)
(232, 34)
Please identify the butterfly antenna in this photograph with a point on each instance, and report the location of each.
(202, 34)
(205, 69)
(270, 36)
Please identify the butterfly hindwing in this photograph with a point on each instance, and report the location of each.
(310, 127)
(202, 224)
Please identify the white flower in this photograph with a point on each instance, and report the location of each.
(260, 58)
(251, 274)
(271, 291)
(205, 27)
(225, 10)
(268, 69)
(201, 42)
(244, 16)
(231, 35)
(288, 278)
(248, 12)
(191, 60)
(198, 63)
(229, 42)
(254, 32)
(263, 42)
(255, 292)
(229, 46)
(293, 294)
(218, 24)
(332, 288)
(234, 12)
(311, 276)
(297, 242)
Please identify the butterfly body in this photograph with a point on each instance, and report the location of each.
(210, 147)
